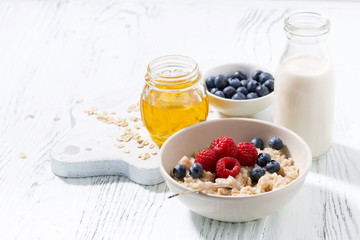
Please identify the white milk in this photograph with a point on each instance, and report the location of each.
(304, 100)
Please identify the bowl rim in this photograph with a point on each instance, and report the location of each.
(252, 65)
(301, 177)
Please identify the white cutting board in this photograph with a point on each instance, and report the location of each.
(71, 156)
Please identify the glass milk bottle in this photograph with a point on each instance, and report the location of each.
(304, 82)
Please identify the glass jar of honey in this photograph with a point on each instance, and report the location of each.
(173, 97)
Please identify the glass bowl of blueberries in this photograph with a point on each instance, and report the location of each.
(239, 89)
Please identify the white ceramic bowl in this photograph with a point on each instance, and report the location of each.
(238, 108)
(234, 208)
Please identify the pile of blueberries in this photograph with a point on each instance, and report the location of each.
(238, 87)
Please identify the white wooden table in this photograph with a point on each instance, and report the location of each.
(55, 52)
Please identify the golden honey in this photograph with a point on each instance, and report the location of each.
(173, 98)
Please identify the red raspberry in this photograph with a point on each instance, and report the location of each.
(227, 166)
(207, 158)
(216, 141)
(247, 154)
(224, 147)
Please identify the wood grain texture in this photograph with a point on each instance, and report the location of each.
(55, 52)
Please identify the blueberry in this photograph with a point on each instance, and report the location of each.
(255, 75)
(251, 95)
(220, 82)
(276, 143)
(262, 91)
(263, 159)
(227, 76)
(219, 93)
(213, 90)
(242, 90)
(244, 82)
(269, 84)
(265, 76)
(257, 142)
(256, 173)
(179, 171)
(210, 82)
(272, 166)
(234, 82)
(251, 86)
(239, 75)
(229, 91)
(238, 96)
(196, 170)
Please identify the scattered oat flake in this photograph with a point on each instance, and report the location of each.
(127, 138)
(140, 146)
(22, 155)
(145, 142)
(153, 152)
(151, 146)
(91, 111)
(88, 149)
(31, 116)
(137, 127)
(211, 110)
(57, 118)
(133, 119)
(126, 150)
(134, 108)
(79, 101)
(120, 145)
(145, 156)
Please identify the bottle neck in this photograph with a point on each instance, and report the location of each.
(307, 33)
(307, 46)
(172, 72)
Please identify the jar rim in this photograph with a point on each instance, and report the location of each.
(167, 61)
(307, 24)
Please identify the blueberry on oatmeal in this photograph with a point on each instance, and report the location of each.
(256, 173)
(276, 143)
(196, 170)
(272, 166)
(179, 171)
(263, 159)
(258, 143)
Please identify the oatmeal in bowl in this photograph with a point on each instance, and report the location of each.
(249, 171)
(232, 153)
